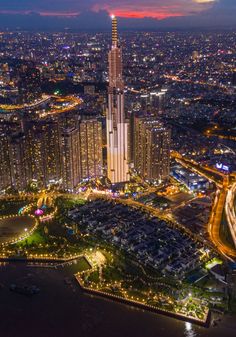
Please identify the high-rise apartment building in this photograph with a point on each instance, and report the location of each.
(151, 149)
(43, 152)
(19, 164)
(48, 151)
(5, 173)
(153, 103)
(70, 149)
(29, 84)
(91, 148)
(117, 125)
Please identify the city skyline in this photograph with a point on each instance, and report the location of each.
(118, 168)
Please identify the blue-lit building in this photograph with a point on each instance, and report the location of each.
(192, 180)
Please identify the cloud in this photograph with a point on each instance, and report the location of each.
(133, 14)
(152, 8)
(225, 5)
(205, 1)
(125, 8)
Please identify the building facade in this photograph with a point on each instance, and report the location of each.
(117, 125)
(91, 148)
(70, 148)
(5, 172)
(151, 149)
(49, 152)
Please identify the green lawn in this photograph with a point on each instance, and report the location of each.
(82, 265)
(111, 274)
(68, 203)
(35, 239)
(94, 277)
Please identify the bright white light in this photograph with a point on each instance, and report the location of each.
(26, 229)
(204, 1)
(188, 326)
(113, 16)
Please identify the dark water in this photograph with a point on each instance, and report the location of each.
(62, 310)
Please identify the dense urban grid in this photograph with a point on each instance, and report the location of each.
(118, 153)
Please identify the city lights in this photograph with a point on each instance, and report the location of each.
(118, 173)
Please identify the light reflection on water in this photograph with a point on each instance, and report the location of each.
(189, 330)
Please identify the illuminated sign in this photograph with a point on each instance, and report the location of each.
(220, 166)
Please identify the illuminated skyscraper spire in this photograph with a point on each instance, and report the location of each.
(117, 126)
(114, 31)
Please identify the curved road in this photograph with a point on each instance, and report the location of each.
(223, 200)
(215, 224)
(230, 211)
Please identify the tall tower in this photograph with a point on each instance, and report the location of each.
(117, 125)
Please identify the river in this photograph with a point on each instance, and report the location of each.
(61, 309)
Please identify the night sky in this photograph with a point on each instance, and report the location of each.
(92, 14)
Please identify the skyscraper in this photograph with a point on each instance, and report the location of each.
(91, 148)
(29, 84)
(151, 149)
(19, 163)
(42, 154)
(5, 172)
(71, 173)
(117, 125)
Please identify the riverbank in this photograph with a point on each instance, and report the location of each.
(206, 322)
(62, 309)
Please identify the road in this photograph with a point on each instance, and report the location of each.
(176, 78)
(215, 224)
(12, 107)
(74, 102)
(230, 211)
(220, 203)
(212, 132)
